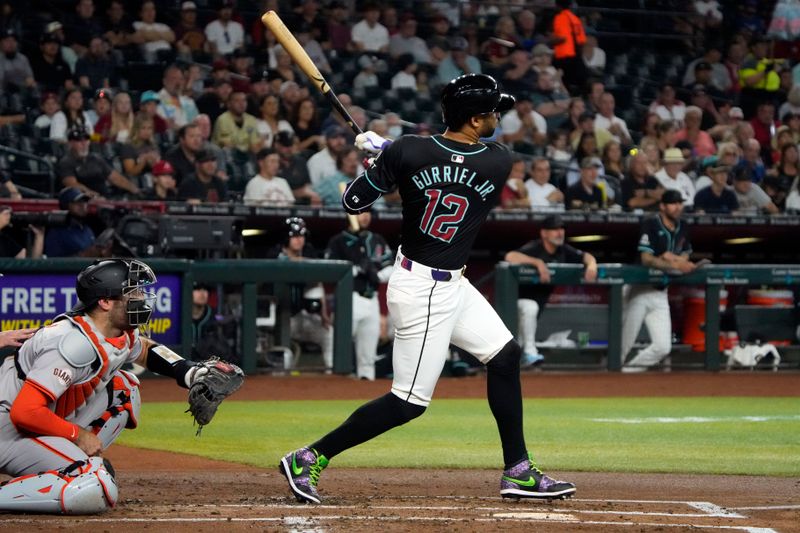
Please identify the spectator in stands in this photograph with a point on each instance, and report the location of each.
(751, 158)
(369, 35)
(518, 77)
(550, 102)
(190, 39)
(311, 16)
(241, 70)
(9, 246)
(514, 194)
(542, 59)
(148, 104)
(292, 167)
(141, 152)
(259, 88)
(390, 20)
(701, 141)
(718, 78)
(666, 106)
(214, 102)
(594, 57)
(118, 26)
(780, 178)
(183, 156)
(50, 70)
(586, 147)
(653, 154)
(791, 105)
(406, 73)
(164, 188)
(523, 128)
(15, 69)
(757, 76)
(49, 106)
(224, 34)
(650, 127)
(236, 129)
(640, 189)
(666, 134)
(266, 188)
(764, 126)
(664, 245)
(269, 122)
(10, 18)
(792, 120)
(81, 26)
(717, 198)
(71, 115)
(203, 186)
(733, 63)
(541, 192)
(75, 238)
(115, 126)
(348, 165)
(323, 164)
(793, 200)
(339, 27)
(290, 94)
(177, 109)
(605, 119)
(56, 29)
(672, 177)
(585, 194)
(95, 70)
(587, 125)
(367, 76)
(101, 106)
(526, 29)
(88, 171)
(569, 36)
(751, 197)
(406, 41)
(305, 36)
(596, 89)
(558, 149)
(497, 50)
(611, 157)
(306, 126)
(550, 248)
(203, 122)
(155, 39)
(783, 136)
(457, 62)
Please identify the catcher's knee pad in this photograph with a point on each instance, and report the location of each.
(84, 487)
(123, 410)
(507, 359)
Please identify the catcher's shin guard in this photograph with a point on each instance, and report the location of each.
(84, 487)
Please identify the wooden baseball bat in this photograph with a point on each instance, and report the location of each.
(274, 23)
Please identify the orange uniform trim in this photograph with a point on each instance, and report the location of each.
(29, 413)
(76, 396)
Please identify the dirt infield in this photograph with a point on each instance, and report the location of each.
(174, 492)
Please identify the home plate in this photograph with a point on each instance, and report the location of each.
(535, 516)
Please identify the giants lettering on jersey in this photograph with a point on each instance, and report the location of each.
(451, 174)
(63, 375)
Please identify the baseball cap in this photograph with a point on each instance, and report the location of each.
(541, 49)
(149, 96)
(103, 93)
(53, 27)
(188, 6)
(458, 43)
(742, 173)
(205, 155)
(590, 162)
(702, 65)
(553, 222)
(78, 133)
(671, 196)
(163, 167)
(8, 32)
(70, 195)
(334, 131)
(736, 112)
(719, 168)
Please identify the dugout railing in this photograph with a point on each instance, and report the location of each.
(17, 307)
(713, 278)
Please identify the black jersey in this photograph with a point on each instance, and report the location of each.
(656, 239)
(563, 254)
(368, 252)
(447, 187)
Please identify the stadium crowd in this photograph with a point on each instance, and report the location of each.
(195, 101)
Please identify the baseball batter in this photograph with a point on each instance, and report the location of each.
(64, 397)
(448, 184)
(663, 244)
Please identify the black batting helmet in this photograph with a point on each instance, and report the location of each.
(115, 278)
(470, 95)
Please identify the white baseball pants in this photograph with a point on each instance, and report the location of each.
(648, 305)
(366, 333)
(528, 311)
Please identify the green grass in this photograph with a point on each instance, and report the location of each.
(561, 433)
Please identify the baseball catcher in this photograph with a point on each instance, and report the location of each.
(64, 397)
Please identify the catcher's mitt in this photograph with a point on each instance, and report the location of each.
(213, 381)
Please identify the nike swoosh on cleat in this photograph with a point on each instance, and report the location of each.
(530, 482)
(295, 469)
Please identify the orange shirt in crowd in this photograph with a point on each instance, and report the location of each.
(570, 28)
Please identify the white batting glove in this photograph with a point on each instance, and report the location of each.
(371, 142)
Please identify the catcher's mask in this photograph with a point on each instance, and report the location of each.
(115, 279)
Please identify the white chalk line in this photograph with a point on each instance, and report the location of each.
(765, 508)
(695, 419)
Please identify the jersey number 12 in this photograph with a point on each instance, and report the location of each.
(444, 225)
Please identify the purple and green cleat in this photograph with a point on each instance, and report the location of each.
(525, 480)
(301, 469)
